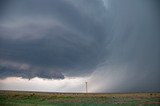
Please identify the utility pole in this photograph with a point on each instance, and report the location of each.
(86, 88)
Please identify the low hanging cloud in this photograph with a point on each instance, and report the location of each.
(59, 35)
(115, 43)
(13, 69)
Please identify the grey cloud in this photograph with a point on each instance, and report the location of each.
(70, 41)
(117, 44)
(134, 60)
(14, 69)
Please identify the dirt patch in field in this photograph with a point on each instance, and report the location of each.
(149, 103)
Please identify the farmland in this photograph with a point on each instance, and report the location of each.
(15, 98)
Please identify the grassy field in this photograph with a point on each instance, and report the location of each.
(13, 98)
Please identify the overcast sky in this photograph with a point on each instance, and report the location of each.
(114, 45)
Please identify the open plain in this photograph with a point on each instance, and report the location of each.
(20, 98)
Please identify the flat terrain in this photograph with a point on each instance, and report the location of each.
(15, 98)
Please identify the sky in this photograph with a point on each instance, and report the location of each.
(58, 45)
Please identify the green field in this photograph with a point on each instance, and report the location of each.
(13, 98)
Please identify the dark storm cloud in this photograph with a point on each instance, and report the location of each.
(134, 60)
(3, 5)
(56, 34)
(12, 69)
(117, 40)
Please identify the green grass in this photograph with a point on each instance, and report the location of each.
(8, 98)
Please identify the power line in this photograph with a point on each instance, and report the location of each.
(86, 87)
